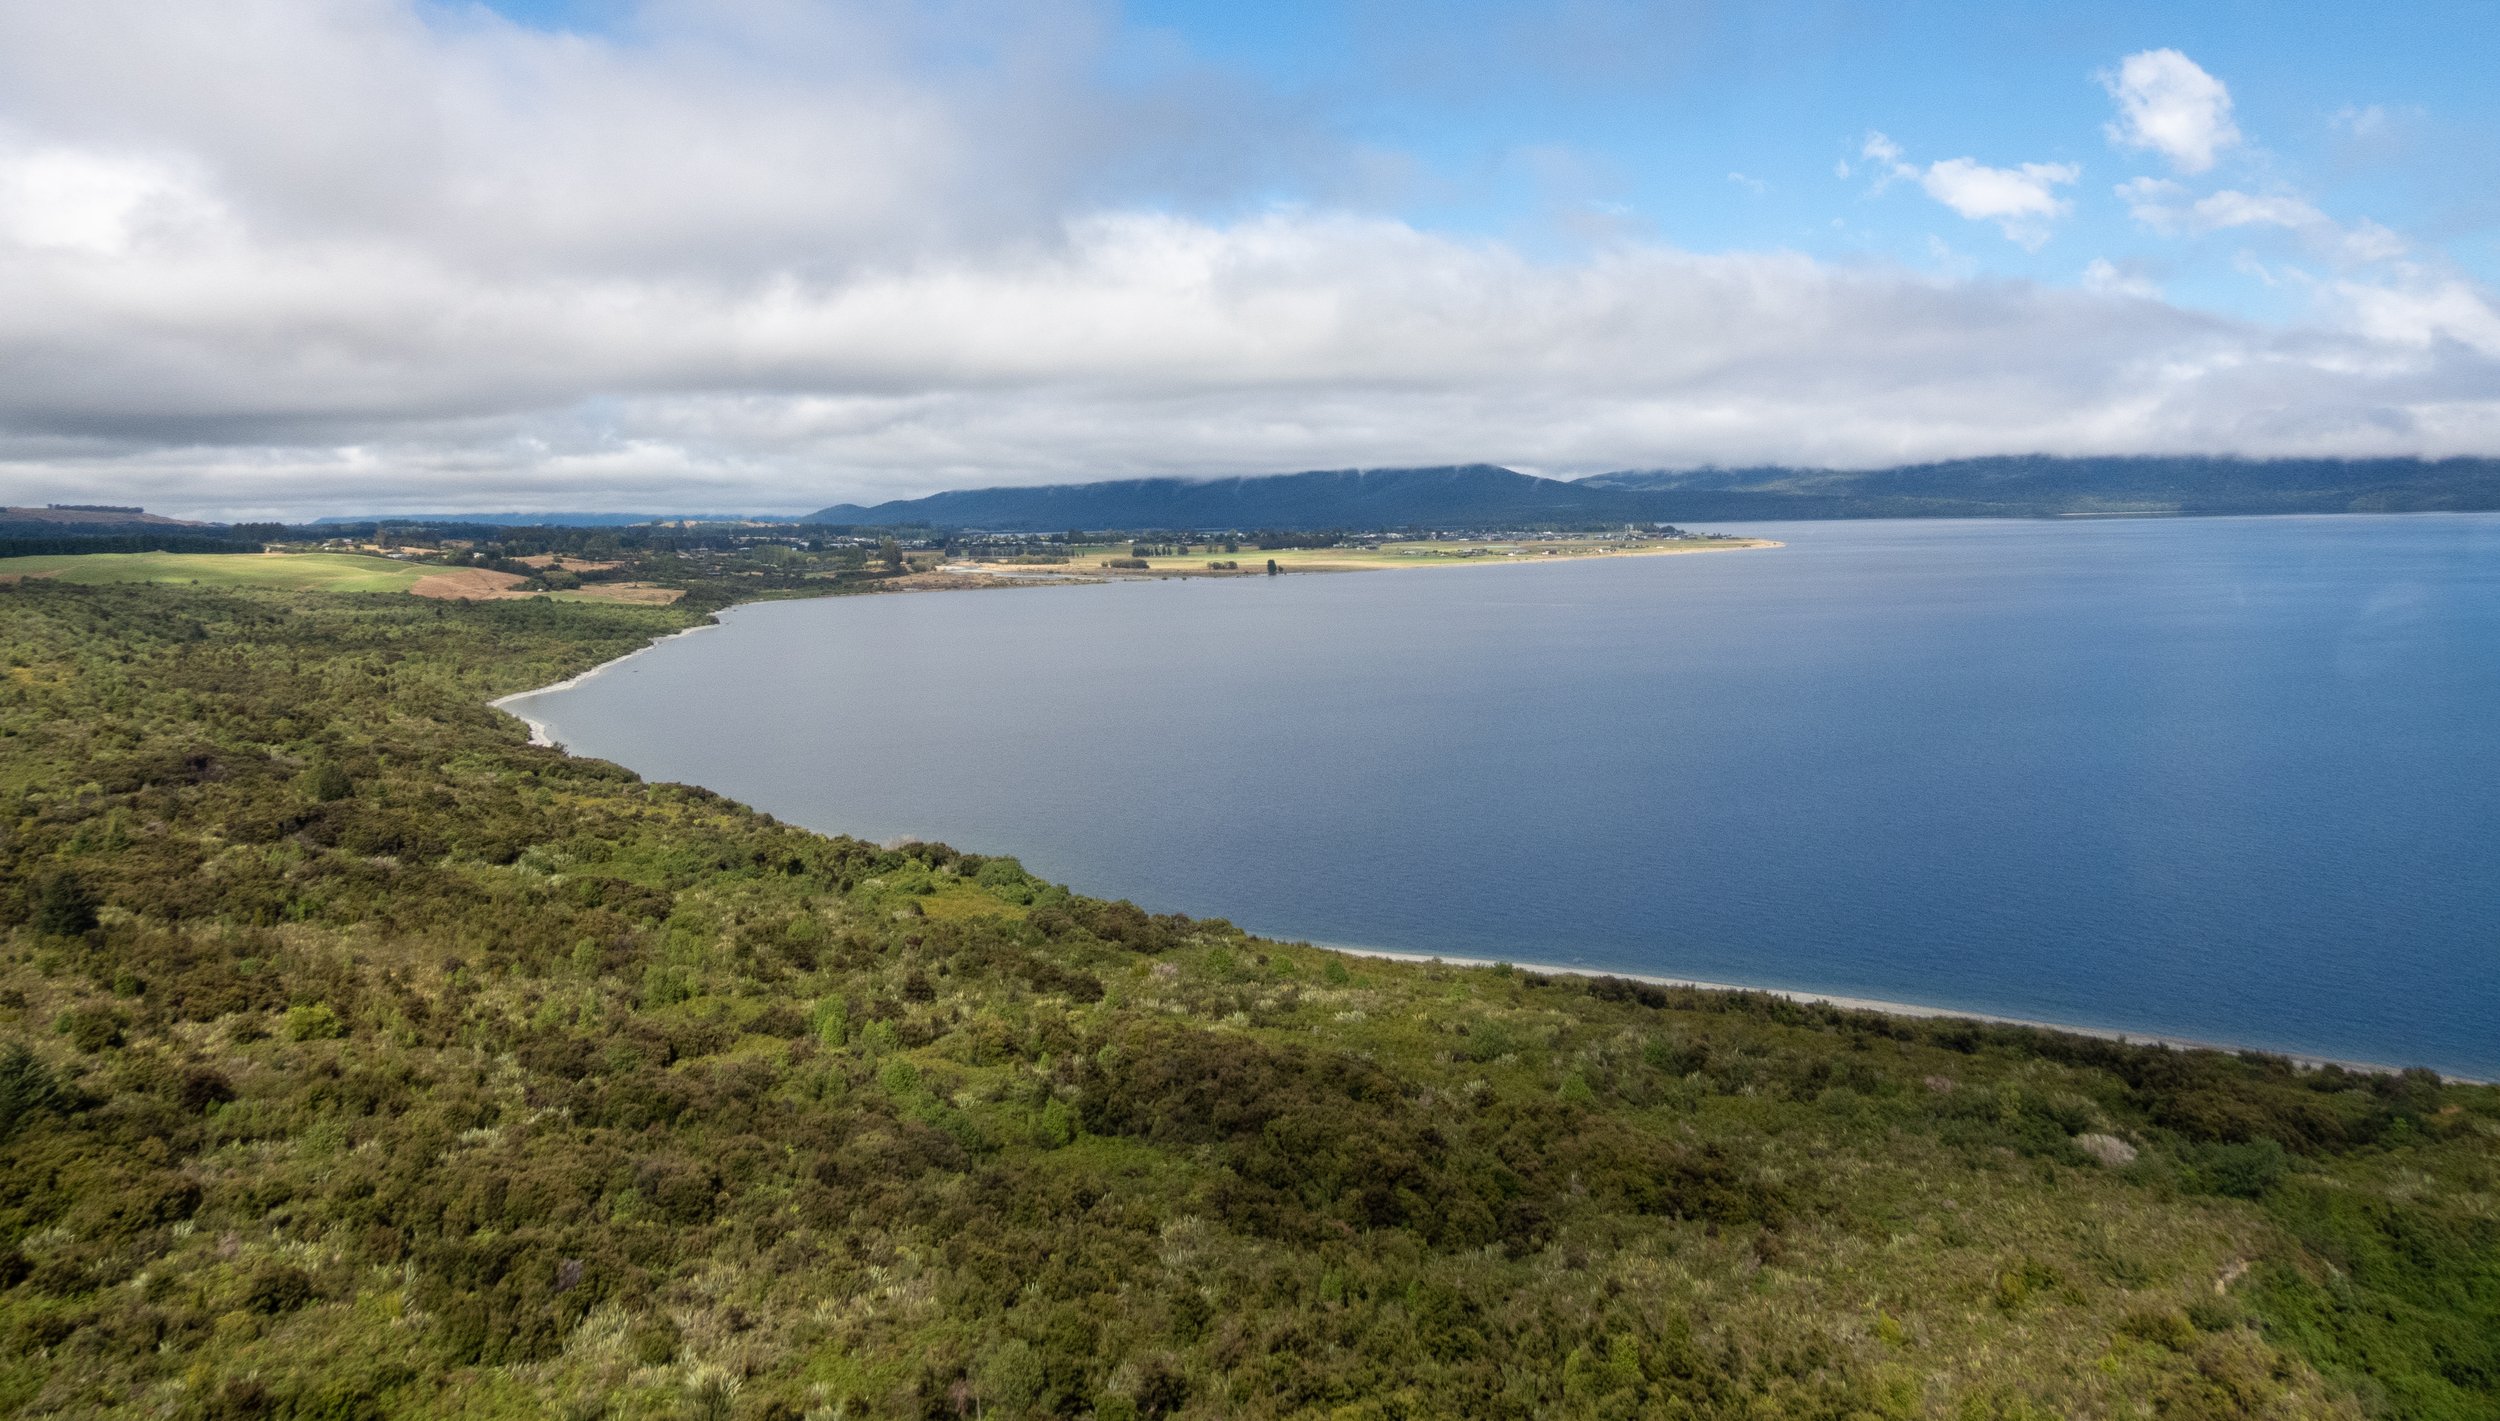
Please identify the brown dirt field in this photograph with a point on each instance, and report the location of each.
(639, 592)
(478, 584)
(469, 584)
(559, 560)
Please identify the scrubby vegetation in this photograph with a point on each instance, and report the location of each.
(362, 1060)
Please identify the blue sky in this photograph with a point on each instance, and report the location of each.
(268, 256)
(1721, 127)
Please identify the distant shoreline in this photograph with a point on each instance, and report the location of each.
(1322, 562)
(1520, 552)
(1889, 1008)
(967, 576)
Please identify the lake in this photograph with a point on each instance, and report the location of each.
(2233, 780)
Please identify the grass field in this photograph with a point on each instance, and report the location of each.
(312, 572)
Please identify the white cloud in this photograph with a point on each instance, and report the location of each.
(2166, 207)
(2367, 241)
(1753, 185)
(2020, 200)
(280, 256)
(2107, 277)
(2168, 104)
(1139, 345)
(2422, 310)
(2228, 208)
(2359, 120)
(70, 199)
(2157, 203)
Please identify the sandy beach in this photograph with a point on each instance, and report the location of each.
(1877, 1004)
(538, 728)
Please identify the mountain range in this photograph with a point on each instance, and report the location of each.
(1487, 495)
(1466, 494)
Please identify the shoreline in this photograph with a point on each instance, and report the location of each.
(963, 576)
(538, 728)
(1886, 1007)
(1511, 559)
(1726, 545)
(539, 736)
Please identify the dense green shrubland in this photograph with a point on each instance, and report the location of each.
(366, 1061)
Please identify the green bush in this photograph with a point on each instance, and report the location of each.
(326, 783)
(312, 1021)
(277, 1288)
(93, 1029)
(2241, 1171)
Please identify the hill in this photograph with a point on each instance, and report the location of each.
(1470, 495)
(362, 1060)
(2032, 486)
(83, 517)
(69, 529)
(1487, 496)
(66, 521)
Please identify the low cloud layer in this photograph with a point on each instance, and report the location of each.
(326, 255)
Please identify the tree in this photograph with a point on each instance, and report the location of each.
(1272, 569)
(890, 553)
(28, 1087)
(63, 906)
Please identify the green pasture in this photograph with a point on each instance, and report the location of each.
(314, 572)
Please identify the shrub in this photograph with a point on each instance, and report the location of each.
(93, 1029)
(2158, 1327)
(1010, 1376)
(2242, 1171)
(311, 1022)
(832, 1019)
(277, 1288)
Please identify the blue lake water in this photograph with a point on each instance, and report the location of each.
(2233, 780)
